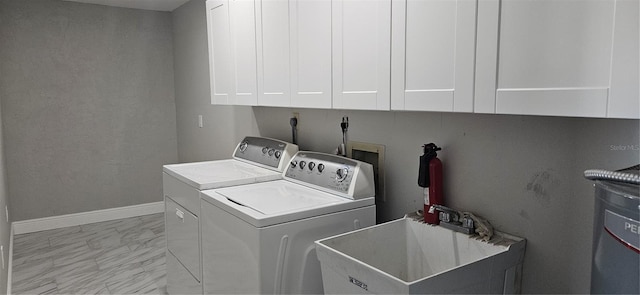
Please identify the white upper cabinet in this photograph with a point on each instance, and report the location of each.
(232, 51)
(294, 53)
(624, 94)
(310, 53)
(531, 57)
(272, 39)
(433, 55)
(219, 51)
(361, 54)
(564, 58)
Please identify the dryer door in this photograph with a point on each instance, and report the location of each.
(182, 236)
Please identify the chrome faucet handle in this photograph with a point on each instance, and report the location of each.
(463, 222)
(446, 217)
(441, 208)
(468, 222)
(446, 214)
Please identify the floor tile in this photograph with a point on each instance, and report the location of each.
(106, 239)
(28, 273)
(52, 252)
(157, 242)
(47, 288)
(133, 223)
(142, 283)
(125, 256)
(82, 254)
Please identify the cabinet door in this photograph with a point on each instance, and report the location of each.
(549, 57)
(310, 33)
(272, 39)
(433, 47)
(624, 95)
(243, 49)
(361, 54)
(294, 53)
(232, 51)
(219, 51)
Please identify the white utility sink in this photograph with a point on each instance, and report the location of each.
(409, 257)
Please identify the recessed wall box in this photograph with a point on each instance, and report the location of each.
(373, 154)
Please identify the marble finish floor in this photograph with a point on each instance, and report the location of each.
(125, 256)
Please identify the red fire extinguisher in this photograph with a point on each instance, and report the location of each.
(430, 177)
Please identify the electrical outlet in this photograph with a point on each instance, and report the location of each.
(296, 115)
(200, 122)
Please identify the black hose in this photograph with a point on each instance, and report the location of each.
(294, 130)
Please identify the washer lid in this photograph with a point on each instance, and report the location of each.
(272, 200)
(222, 173)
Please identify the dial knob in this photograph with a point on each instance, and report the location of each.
(294, 163)
(265, 150)
(243, 146)
(320, 167)
(312, 165)
(341, 174)
(278, 154)
(302, 164)
(271, 152)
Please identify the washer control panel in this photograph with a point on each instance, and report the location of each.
(328, 172)
(272, 153)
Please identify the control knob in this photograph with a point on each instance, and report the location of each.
(312, 165)
(341, 174)
(302, 164)
(320, 167)
(243, 146)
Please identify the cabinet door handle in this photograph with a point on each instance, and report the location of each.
(180, 214)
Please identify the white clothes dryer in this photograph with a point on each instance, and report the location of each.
(255, 159)
(259, 238)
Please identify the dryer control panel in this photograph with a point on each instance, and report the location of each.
(331, 173)
(266, 152)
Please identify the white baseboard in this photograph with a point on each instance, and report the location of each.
(53, 222)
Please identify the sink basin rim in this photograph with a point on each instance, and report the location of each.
(323, 244)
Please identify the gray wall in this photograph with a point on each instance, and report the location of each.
(5, 228)
(87, 105)
(523, 173)
(224, 126)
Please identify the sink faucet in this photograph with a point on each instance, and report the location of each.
(450, 219)
(446, 214)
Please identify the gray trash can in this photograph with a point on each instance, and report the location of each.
(615, 267)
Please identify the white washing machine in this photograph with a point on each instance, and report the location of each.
(259, 238)
(255, 159)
